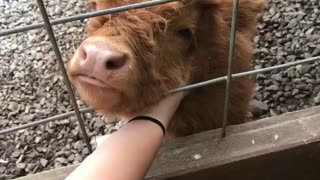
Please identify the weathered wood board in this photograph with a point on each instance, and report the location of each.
(282, 147)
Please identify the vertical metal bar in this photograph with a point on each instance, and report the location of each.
(63, 70)
(230, 63)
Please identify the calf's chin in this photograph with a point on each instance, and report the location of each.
(165, 47)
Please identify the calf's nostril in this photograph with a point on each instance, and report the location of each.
(101, 57)
(115, 63)
(84, 55)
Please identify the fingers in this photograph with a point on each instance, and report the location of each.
(179, 95)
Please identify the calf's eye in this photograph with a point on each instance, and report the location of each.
(189, 39)
(185, 33)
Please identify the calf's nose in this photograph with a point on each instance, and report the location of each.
(102, 57)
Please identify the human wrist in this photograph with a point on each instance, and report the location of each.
(152, 120)
(164, 110)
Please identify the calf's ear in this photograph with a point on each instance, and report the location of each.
(220, 11)
(248, 8)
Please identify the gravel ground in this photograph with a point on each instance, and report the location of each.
(32, 87)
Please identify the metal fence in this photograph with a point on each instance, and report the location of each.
(48, 25)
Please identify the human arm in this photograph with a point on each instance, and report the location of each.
(128, 153)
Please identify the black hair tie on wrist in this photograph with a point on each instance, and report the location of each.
(150, 119)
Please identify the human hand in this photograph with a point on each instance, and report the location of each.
(164, 109)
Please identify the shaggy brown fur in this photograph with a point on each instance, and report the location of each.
(170, 46)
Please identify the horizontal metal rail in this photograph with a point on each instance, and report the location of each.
(247, 73)
(43, 121)
(85, 16)
(185, 88)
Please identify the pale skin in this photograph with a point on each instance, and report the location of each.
(128, 153)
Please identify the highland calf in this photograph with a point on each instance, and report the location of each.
(132, 59)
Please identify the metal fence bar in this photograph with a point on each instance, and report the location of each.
(86, 15)
(64, 73)
(230, 64)
(185, 88)
(244, 74)
(48, 25)
(43, 121)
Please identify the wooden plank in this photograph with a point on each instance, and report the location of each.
(282, 147)
(239, 150)
(213, 134)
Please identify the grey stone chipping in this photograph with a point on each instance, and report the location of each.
(32, 88)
